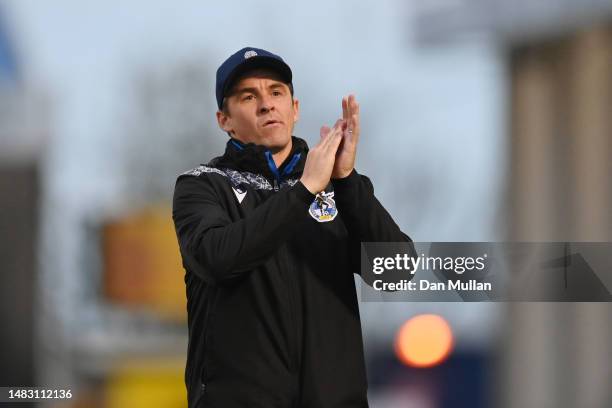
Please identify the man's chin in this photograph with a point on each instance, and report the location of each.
(277, 143)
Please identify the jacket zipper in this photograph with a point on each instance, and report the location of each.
(288, 168)
(294, 334)
(292, 287)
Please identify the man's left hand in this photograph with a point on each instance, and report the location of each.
(345, 156)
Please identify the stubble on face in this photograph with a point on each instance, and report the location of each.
(260, 109)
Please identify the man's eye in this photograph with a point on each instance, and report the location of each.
(248, 97)
(276, 93)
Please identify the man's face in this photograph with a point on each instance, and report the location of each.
(260, 109)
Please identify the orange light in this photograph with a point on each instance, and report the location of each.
(424, 341)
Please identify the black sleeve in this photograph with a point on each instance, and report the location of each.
(367, 220)
(217, 249)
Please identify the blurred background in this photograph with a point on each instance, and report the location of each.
(483, 120)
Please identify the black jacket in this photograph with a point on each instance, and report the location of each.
(272, 310)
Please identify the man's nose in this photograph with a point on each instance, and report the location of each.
(265, 104)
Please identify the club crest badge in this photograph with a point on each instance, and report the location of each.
(323, 208)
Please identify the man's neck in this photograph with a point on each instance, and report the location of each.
(282, 154)
(278, 155)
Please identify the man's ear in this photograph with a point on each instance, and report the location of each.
(224, 122)
(296, 110)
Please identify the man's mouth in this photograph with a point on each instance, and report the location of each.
(272, 123)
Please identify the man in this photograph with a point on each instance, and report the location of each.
(270, 238)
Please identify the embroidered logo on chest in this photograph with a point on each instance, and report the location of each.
(323, 208)
(240, 193)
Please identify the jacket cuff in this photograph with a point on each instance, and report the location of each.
(347, 182)
(302, 193)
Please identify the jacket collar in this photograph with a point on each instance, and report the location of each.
(258, 159)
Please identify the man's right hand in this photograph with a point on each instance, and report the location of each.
(321, 158)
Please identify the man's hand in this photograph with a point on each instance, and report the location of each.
(320, 161)
(345, 156)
